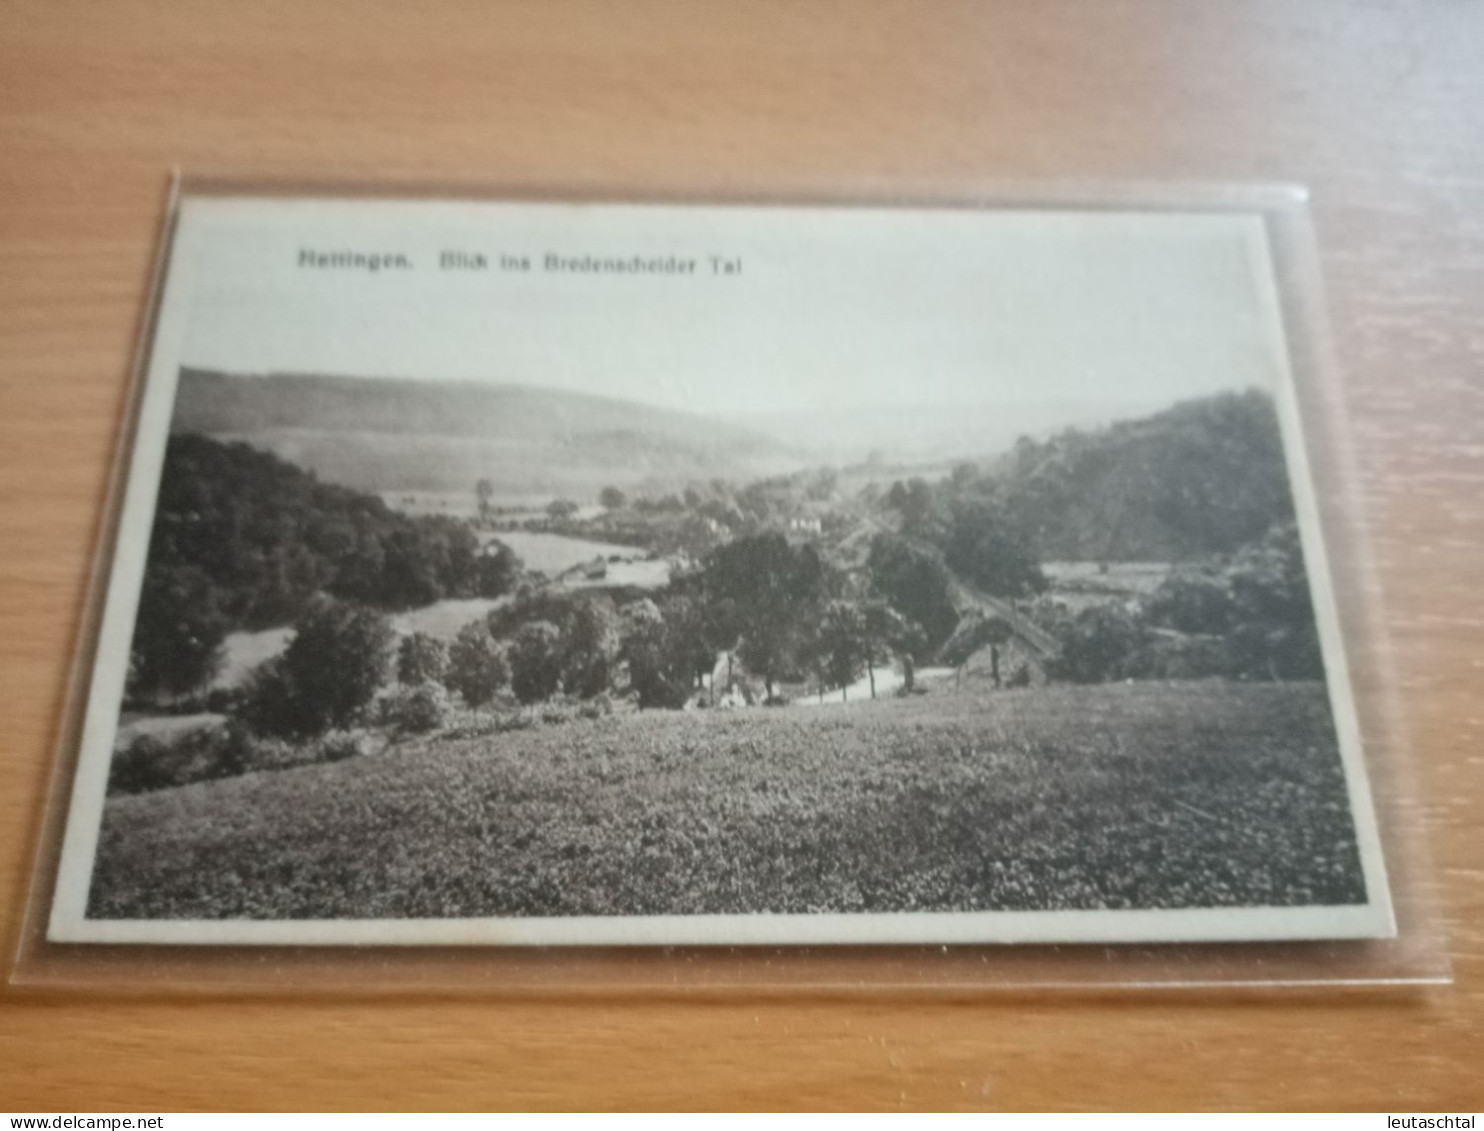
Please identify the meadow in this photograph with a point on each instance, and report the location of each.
(1110, 796)
(1085, 585)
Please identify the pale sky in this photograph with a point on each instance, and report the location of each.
(871, 307)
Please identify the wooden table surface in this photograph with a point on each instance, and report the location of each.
(1379, 107)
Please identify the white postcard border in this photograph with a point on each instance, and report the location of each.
(68, 921)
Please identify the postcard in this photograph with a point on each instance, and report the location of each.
(493, 572)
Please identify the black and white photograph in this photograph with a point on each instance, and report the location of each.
(494, 573)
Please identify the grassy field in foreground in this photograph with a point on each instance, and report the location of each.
(1153, 795)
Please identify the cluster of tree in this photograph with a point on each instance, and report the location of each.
(690, 524)
(669, 646)
(966, 522)
(762, 595)
(917, 584)
(584, 645)
(854, 636)
(785, 612)
(559, 641)
(745, 509)
(243, 539)
(545, 644)
(791, 616)
(704, 513)
(336, 661)
(341, 658)
(780, 607)
(1246, 615)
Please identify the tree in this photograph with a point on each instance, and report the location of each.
(421, 657)
(886, 633)
(497, 570)
(535, 662)
(612, 498)
(643, 651)
(589, 648)
(333, 666)
(963, 475)
(822, 485)
(587, 634)
(766, 591)
(988, 550)
(178, 633)
(840, 648)
(484, 492)
(915, 582)
(477, 665)
(916, 504)
(693, 636)
(660, 672)
(1193, 602)
(1256, 602)
(694, 631)
(723, 512)
(1099, 643)
(338, 658)
(1274, 635)
(410, 574)
(693, 536)
(559, 509)
(417, 708)
(755, 502)
(271, 704)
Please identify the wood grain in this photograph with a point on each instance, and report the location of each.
(1374, 105)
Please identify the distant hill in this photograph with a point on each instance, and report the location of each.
(379, 434)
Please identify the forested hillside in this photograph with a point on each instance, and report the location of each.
(1201, 478)
(242, 539)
